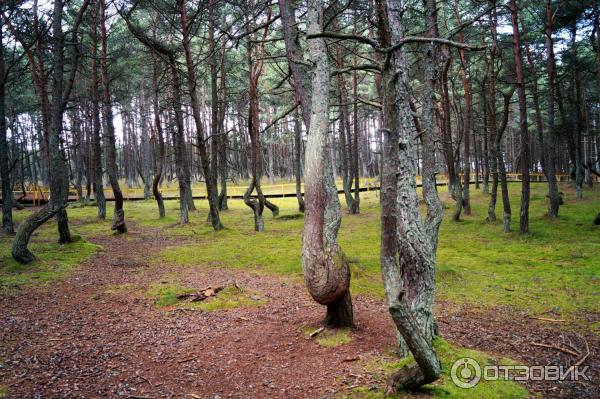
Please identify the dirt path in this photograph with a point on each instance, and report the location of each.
(76, 340)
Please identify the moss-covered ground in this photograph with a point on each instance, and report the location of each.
(554, 271)
(444, 387)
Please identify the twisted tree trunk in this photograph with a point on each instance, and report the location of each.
(159, 161)
(59, 182)
(326, 270)
(402, 231)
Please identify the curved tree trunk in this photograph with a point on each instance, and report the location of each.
(111, 150)
(399, 204)
(59, 182)
(209, 177)
(326, 270)
(159, 160)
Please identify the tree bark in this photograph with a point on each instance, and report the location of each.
(59, 183)
(297, 157)
(211, 188)
(523, 128)
(551, 140)
(111, 150)
(399, 202)
(468, 119)
(96, 140)
(178, 142)
(326, 270)
(295, 57)
(7, 194)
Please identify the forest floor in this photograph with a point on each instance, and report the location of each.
(101, 317)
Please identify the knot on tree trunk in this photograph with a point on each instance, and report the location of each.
(327, 275)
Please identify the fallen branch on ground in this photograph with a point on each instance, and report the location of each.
(556, 347)
(200, 295)
(316, 332)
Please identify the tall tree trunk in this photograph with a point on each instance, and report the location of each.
(345, 146)
(551, 140)
(356, 132)
(454, 186)
(297, 156)
(535, 92)
(7, 194)
(467, 121)
(576, 139)
(177, 133)
(96, 140)
(111, 150)
(214, 96)
(223, 137)
(159, 161)
(145, 166)
(396, 187)
(211, 189)
(326, 270)
(295, 57)
(59, 183)
(523, 128)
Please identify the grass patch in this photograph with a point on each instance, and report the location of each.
(165, 296)
(383, 367)
(53, 262)
(329, 337)
(555, 269)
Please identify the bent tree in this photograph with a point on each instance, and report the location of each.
(326, 270)
(408, 244)
(57, 167)
(255, 70)
(111, 150)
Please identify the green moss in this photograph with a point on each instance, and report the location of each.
(329, 338)
(2, 392)
(53, 262)
(552, 270)
(382, 367)
(333, 338)
(165, 295)
(229, 298)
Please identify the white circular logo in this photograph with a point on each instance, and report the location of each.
(465, 372)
